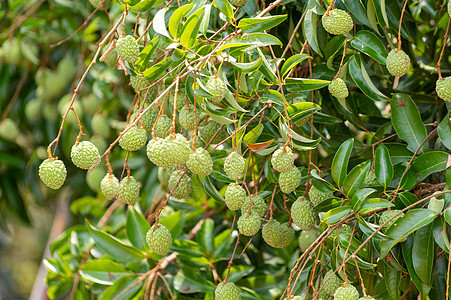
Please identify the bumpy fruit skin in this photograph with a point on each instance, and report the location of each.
(234, 196)
(342, 230)
(316, 196)
(443, 88)
(85, 155)
(227, 291)
(181, 99)
(163, 127)
(129, 190)
(109, 186)
(371, 180)
(185, 186)
(238, 3)
(177, 149)
(346, 292)
(337, 22)
(249, 223)
(53, 173)
(282, 160)
(398, 62)
(134, 139)
(306, 238)
(277, 235)
(187, 118)
(338, 88)
(159, 239)
(128, 49)
(148, 119)
(139, 82)
(303, 214)
(258, 206)
(156, 152)
(200, 162)
(290, 180)
(386, 215)
(234, 165)
(9, 130)
(207, 131)
(332, 284)
(217, 88)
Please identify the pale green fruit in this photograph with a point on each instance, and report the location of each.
(200, 162)
(227, 291)
(346, 292)
(371, 180)
(258, 206)
(289, 181)
(94, 177)
(177, 149)
(398, 62)
(386, 215)
(99, 142)
(111, 59)
(33, 110)
(217, 88)
(234, 165)
(181, 99)
(163, 176)
(343, 230)
(67, 68)
(332, 284)
(316, 196)
(443, 88)
(53, 173)
(9, 130)
(156, 152)
(187, 118)
(184, 187)
(134, 139)
(338, 88)
(159, 239)
(163, 127)
(207, 131)
(128, 49)
(100, 125)
(307, 238)
(85, 155)
(337, 22)
(129, 190)
(109, 186)
(139, 82)
(234, 196)
(90, 104)
(303, 214)
(147, 120)
(277, 235)
(282, 160)
(249, 223)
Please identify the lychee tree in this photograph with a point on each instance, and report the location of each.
(256, 150)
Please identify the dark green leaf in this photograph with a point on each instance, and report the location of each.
(431, 162)
(339, 167)
(368, 43)
(358, 72)
(252, 136)
(392, 279)
(212, 191)
(336, 214)
(205, 235)
(305, 84)
(260, 24)
(292, 62)
(373, 204)
(444, 131)
(423, 254)
(124, 288)
(103, 271)
(355, 179)
(136, 228)
(146, 54)
(382, 165)
(247, 67)
(225, 7)
(358, 11)
(310, 26)
(188, 281)
(407, 247)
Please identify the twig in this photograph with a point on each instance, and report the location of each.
(441, 52)
(400, 24)
(15, 95)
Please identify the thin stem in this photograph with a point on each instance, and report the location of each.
(443, 49)
(400, 24)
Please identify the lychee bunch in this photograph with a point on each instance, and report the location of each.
(109, 186)
(316, 196)
(156, 152)
(187, 118)
(234, 165)
(227, 291)
(290, 180)
(9, 130)
(85, 155)
(398, 62)
(346, 292)
(200, 162)
(163, 126)
(249, 223)
(128, 49)
(184, 187)
(139, 82)
(258, 205)
(303, 214)
(133, 139)
(238, 3)
(208, 130)
(159, 239)
(53, 173)
(371, 180)
(129, 190)
(217, 88)
(338, 88)
(234, 196)
(277, 235)
(337, 22)
(282, 160)
(386, 215)
(443, 88)
(307, 238)
(332, 284)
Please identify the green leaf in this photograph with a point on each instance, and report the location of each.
(361, 78)
(247, 67)
(237, 272)
(260, 24)
(358, 11)
(158, 69)
(373, 204)
(292, 62)
(191, 29)
(159, 24)
(305, 84)
(339, 166)
(136, 228)
(267, 69)
(392, 279)
(189, 281)
(444, 131)
(300, 110)
(113, 247)
(412, 221)
(382, 166)
(336, 214)
(146, 54)
(174, 223)
(103, 271)
(371, 14)
(447, 215)
(230, 101)
(205, 235)
(355, 179)
(407, 122)
(360, 196)
(175, 24)
(124, 288)
(212, 191)
(407, 247)
(431, 162)
(333, 48)
(423, 254)
(299, 142)
(225, 7)
(440, 233)
(309, 28)
(252, 136)
(368, 43)
(143, 5)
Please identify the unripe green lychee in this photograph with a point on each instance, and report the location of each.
(181, 99)
(338, 88)
(148, 119)
(346, 292)
(238, 3)
(129, 190)
(184, 187)
(227, 291)
(128, 49)
(109, 186)
(234, 165)
(217, 88)
(443, 88)
(94, 177)
(90, 104)
(111, 59)
(100, 125)
(337, 21)
(200, 162)
(9, 130)
(332, 284)
(343, 230)
(187, 118)
(199, 143)
(99, 142)
(282, 160)
(208, 130)
(234, 196)
(316, 196)
(177, 149)
(163, 176)
(156, 152)
(303, 214)
(139, 82)
(53, 173)
(386, 215)
(371, 180)
(258, 206)
(307, 238)
(277, 235)
(287, 235)
(33, 110)
(290, 180)
(134, 139)
(398, 62)
(163, 127)
(159, 239)
(249, 223)
(85, 155)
